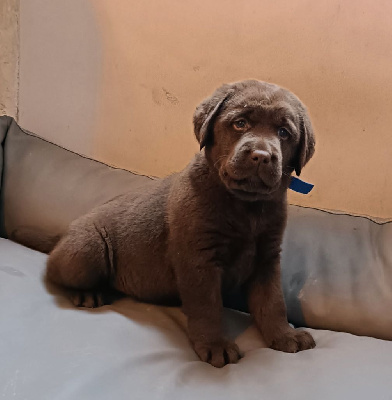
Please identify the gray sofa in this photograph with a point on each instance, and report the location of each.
(336, 275)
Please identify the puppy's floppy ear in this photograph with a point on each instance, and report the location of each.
(306, 143)
(206, 113)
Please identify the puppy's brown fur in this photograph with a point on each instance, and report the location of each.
(216, 224)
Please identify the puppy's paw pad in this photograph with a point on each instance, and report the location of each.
(218, 353)
(293, 341)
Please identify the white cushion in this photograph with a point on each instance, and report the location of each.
(51, 350)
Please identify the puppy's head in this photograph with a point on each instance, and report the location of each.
(255, 134)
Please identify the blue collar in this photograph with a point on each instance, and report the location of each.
(300, 186)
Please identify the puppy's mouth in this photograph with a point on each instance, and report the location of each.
(249, 188)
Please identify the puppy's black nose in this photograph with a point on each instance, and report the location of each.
(260, 156)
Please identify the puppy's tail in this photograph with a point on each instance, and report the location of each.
(35, 239)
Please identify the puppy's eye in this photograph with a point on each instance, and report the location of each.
(240, 124)
(283, 133)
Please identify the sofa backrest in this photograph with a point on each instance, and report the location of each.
(46, 187)
(5, 123)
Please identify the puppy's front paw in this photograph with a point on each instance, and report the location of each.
(218, 353)
(293, 341)
(88, 299)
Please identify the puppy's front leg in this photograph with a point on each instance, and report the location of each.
(200, 291)
(266, 304)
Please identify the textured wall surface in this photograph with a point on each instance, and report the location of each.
(9, 56)
(119, 81)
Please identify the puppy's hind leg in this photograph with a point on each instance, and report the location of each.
(83, 262)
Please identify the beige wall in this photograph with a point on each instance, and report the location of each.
(60, 71)
(9, 57)
(119, 81)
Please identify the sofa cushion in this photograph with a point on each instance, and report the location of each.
(52, 350)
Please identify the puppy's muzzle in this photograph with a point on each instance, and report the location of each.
(254, 168)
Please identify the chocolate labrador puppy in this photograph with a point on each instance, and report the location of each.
(214, 226)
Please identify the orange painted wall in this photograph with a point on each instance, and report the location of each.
(148, 64)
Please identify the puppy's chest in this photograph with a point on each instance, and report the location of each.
(241, 253)
(240, 263)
